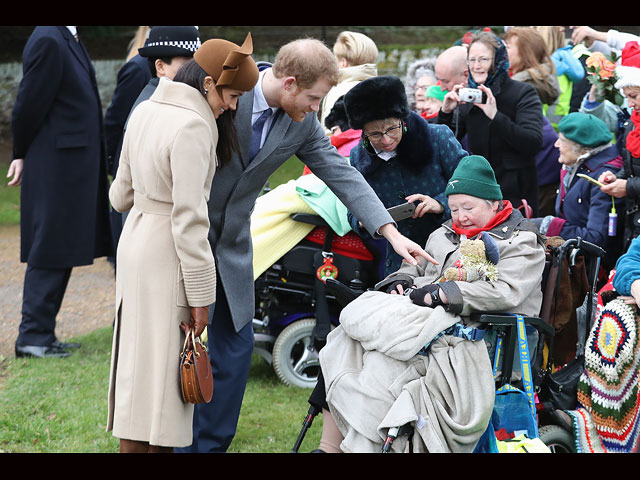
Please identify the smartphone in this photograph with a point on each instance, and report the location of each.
(400, 212)
(568, 31)
(589, 179)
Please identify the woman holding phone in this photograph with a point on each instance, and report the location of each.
(402, 156)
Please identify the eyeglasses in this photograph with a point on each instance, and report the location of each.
(480, 60)
(389, 132)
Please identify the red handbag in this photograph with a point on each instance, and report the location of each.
(196, 379)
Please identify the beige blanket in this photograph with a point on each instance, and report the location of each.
(376, 380)
(273, 232)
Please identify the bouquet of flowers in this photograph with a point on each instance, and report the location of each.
(601, 72)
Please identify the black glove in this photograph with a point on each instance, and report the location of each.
(394, 286)
(417, 296)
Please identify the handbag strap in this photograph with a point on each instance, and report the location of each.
(186, 345)
(190, 343)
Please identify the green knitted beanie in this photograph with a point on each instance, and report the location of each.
(584, 129)
(474, 176)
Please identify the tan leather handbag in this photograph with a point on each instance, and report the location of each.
(196, 378)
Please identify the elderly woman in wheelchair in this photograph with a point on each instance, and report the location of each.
(407, 352)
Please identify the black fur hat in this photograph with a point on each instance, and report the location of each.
(376, 98)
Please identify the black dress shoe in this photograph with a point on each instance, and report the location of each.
(40, 351)
(65, 345)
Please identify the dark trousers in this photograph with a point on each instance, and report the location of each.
(42, 296)
(214, 423)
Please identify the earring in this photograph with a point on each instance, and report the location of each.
(206, 91)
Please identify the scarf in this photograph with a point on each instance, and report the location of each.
(633, 139)
(499, 218)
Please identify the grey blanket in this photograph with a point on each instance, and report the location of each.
(375, 379)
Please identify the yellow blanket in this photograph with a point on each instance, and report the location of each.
(272, 231)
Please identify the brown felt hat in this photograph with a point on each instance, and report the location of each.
(228, 64)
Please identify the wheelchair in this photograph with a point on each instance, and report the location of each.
(294, 311)
(560, 261)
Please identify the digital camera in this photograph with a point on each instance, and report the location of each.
(472, 95)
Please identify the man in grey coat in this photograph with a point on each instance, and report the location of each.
(291, 99)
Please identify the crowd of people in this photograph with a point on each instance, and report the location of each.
(502, 137)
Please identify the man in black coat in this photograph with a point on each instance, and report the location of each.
(59, 161)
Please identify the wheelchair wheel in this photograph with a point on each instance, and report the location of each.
(557, 439)
(295, 361)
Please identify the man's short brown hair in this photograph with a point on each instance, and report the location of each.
(308, 60)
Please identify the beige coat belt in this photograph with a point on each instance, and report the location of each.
(148, 205)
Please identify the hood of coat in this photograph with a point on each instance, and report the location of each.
(357, 73)
(182, 95)
(544, 80)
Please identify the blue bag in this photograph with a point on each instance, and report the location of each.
(514, 409)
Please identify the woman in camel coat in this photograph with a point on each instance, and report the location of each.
(166, 273)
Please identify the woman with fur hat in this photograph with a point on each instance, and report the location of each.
(402, 157)
(399, 357)
(626, 182)
(166, 276)
(507, 128)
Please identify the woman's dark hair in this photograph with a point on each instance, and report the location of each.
(193, 75)
(152, 64)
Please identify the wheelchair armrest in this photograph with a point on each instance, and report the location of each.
(503, 319)
(344, 294)
(510, 321)
(309, 218)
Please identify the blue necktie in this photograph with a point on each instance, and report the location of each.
(256, 134)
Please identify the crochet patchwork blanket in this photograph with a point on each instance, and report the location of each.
(608, 397)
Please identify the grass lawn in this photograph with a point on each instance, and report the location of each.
(60, 405)
(9, 198)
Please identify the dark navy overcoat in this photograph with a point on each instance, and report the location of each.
(57, 130)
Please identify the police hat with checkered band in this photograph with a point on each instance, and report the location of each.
(168, 41)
